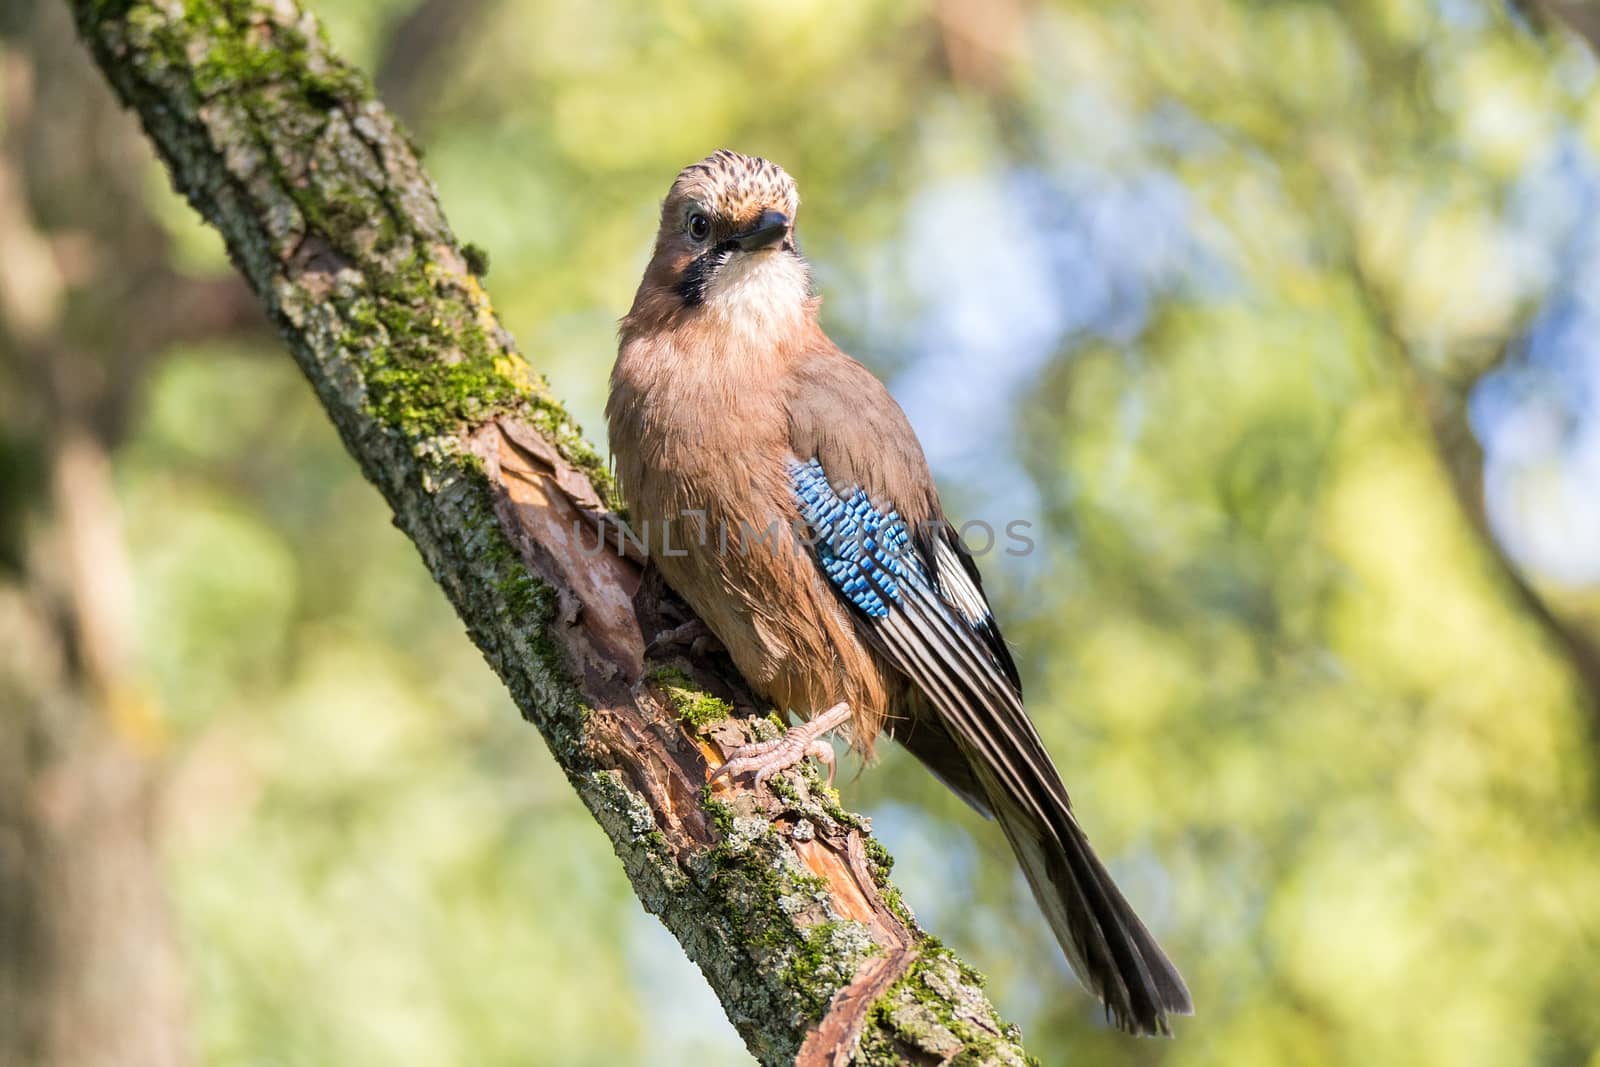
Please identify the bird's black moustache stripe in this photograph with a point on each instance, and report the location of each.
(697, 276)
(696, 280)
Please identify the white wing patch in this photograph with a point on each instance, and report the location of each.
(957, 587)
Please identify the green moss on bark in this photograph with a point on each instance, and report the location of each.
(937, 1008)
(693, 707)
(783, 912)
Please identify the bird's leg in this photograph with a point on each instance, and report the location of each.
(693, 636)
(767, 758)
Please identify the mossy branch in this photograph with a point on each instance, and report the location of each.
(782, 898)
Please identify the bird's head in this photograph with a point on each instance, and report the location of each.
(726, 242)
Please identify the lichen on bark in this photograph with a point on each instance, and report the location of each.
(781, 897)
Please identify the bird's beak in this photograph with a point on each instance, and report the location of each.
(769, 229)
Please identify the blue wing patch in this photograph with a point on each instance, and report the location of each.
(864, 550)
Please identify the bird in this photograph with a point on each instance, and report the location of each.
(781, 492)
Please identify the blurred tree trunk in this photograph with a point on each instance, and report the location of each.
(89, 967)
(1581, 16)
(780, 896)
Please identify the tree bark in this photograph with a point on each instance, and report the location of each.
(781, 897)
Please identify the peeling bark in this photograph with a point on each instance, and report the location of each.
(781, 897)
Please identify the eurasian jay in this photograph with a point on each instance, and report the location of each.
(784, 495)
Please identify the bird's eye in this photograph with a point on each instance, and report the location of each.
(699, 226)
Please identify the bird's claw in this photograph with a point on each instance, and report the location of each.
(767, 758)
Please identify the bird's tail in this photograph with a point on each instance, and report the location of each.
(1109, 948)
(966, 721)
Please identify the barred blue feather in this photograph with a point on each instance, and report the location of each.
(864, 550)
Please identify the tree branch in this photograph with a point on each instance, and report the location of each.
(419, 44)
(782, 898)
(1442, 407)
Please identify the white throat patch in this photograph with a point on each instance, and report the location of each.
(760, 291)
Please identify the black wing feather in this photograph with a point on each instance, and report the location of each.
(919, 601)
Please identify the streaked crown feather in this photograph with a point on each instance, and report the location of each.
(733, 186)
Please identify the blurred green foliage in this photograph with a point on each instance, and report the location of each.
(1163, 280)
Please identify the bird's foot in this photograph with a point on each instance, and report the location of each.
(693, 636)
(767, 758)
